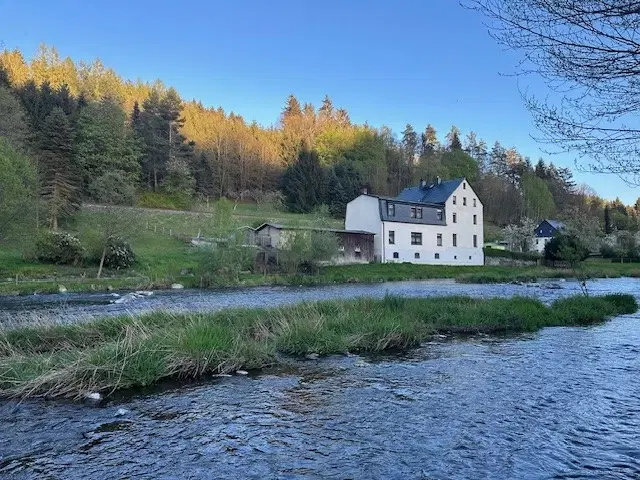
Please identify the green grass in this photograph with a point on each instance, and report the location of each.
(133, 351)
(161, 259)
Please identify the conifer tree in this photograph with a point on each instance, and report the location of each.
(58, 172)
(303, 183)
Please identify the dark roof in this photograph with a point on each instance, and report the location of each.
(316, 229)
(434, 193)
(557, 224)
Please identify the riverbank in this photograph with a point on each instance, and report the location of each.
(368, 273)
(133, 351)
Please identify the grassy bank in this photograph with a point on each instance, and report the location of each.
(123, 352)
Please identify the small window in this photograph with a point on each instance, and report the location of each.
(413, 212)
(439, 214)
(475, 241)
(475, 219)
(358, 254)
(455, 218)
(469, 257)
(455, 239)
(395, 255)
(416, 255)
(437, 256)
(391, 209)
(537, 241)
(464, 186)
(392, 237)
(474, 202)
(419, 213)
(464, 201)
(439, 239)
(455, 257)
(416, 238)
(455, 200)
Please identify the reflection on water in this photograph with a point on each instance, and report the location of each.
(562, 403)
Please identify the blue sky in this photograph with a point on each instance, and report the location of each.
(392, 63)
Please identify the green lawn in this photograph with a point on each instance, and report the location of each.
(162, 258)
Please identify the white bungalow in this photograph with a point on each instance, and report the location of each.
(438, 224)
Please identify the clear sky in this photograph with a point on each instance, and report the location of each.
(386, 62)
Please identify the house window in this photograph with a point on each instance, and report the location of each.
(464, 201)
(455, 200)
(455, 218)
(475, 241)
(474, 202)
(464, 186)
(392, 237)
(437, 256)
(395, 254)
(413, 212)
(475, 219)
(419, 213)
(439, 214)
(358, 254)
(416, 238)
(537, 241)
(469, 257)
(455, 239)
(439, 239)
(416, 255)
(455, 257)
(391, 209)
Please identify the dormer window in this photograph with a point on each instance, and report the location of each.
(391, 209)
(439, 214)
(416, 212)
(455, 200)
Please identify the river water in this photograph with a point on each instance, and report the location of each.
(560, 403)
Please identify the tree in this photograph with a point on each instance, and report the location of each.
(459, 164)
(429, 144)
(17, 192)
(520, 236)
(60, 178)
(587, 52)
(13, 125)
(325, 112)
(303, 183)
(566, 248)
(453, 139)
(538, 200)
(105, 143)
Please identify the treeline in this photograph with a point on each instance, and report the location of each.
(94, 136)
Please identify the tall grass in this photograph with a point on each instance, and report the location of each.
(131, 351)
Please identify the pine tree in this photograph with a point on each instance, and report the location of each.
(608, 227)
(429, 142)
(453, 139)
(58, 171)
(303, 183)
(292, 107)
(325, 112)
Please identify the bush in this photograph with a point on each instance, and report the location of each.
(566, 248)
(59, 248)
(119, 254)
(494, 252)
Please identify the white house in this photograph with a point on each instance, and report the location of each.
(438, 224)
(545, 232)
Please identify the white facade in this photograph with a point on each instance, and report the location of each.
(423, 246)
(539, 243)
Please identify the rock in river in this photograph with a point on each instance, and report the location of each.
(177, 286)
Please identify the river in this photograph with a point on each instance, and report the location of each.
(560, 403)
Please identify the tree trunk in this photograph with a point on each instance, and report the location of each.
(104, 254)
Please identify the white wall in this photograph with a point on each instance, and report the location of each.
(464, 254)
(363, 213)
(539, 243)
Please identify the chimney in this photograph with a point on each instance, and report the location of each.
(423, 183)
(438, 180)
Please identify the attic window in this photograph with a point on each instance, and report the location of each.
(464, 201)
(474, 202)
(391, 210)
(416, 212)
(464, 186)
(439, 214)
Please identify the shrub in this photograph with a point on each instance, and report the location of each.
(565, 248)
(59, 248)
(119, 254)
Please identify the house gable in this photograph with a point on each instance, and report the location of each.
(548, 228)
